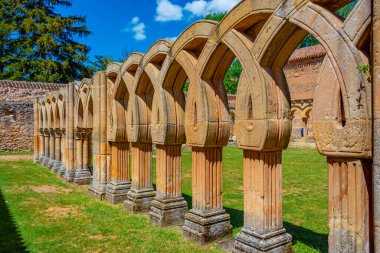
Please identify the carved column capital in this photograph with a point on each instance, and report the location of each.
(58, 132)
(46, 132)
(52, 132)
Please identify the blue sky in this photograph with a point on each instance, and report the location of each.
(134, 25)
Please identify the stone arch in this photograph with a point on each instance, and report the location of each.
(83, 99)
(283, 32)
(123, 77)
(145, 84)
(61, 109)
(181, 64)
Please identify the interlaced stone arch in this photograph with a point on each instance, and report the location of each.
(141, 101)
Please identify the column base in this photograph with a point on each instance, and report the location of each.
(51, 164)
(36, 159)
(62, 170)
(56, 166)
(41, 159)
(69, 175)
(248, 241)
(117, 191)
(82, 177)
(97, 194)
(45, 162)
(139, 201)
(168, 212)
(206, 227)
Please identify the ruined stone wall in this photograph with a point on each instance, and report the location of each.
(16, 113)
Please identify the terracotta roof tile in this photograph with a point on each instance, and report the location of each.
(307, 53)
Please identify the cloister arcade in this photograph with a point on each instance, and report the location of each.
(101, 131)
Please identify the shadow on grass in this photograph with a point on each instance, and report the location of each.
(303, 235)
(10, 239)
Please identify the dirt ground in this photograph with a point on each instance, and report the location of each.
(16, 157)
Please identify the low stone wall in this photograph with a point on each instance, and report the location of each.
(16, 126)
(16, 113)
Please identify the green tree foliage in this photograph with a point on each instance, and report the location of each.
(37, 43)
(100, 63)
(216, 16)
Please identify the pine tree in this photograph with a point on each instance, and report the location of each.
(38, 44)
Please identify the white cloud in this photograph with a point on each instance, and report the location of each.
(135, 20)
(171, 38)
(202, 7)
(198, 7)
(137, 27)
(166, 11)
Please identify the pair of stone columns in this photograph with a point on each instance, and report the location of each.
(82, 172)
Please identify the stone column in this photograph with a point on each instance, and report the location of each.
(263, 229)
(51, 148)
(350, 205)
(47, 141)
(42, 146)
(376, 120)
(82, 174)
(70, 168)
(62, 169)
(168, 207)
(99, 179)
(36, 137)
(207, 220)
(85, 149)
(141, 193)
(58, 139)
(120, 179)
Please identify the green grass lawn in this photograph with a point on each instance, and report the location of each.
(41, 213)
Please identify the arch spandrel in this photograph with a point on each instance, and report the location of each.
(144, 86)
(278, 40)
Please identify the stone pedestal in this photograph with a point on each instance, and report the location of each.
(205, 227)
(117, 191)
(120, 181)
(350, 209)
(207, 220)
(141, 193)
(263, 227)
(168, 207)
